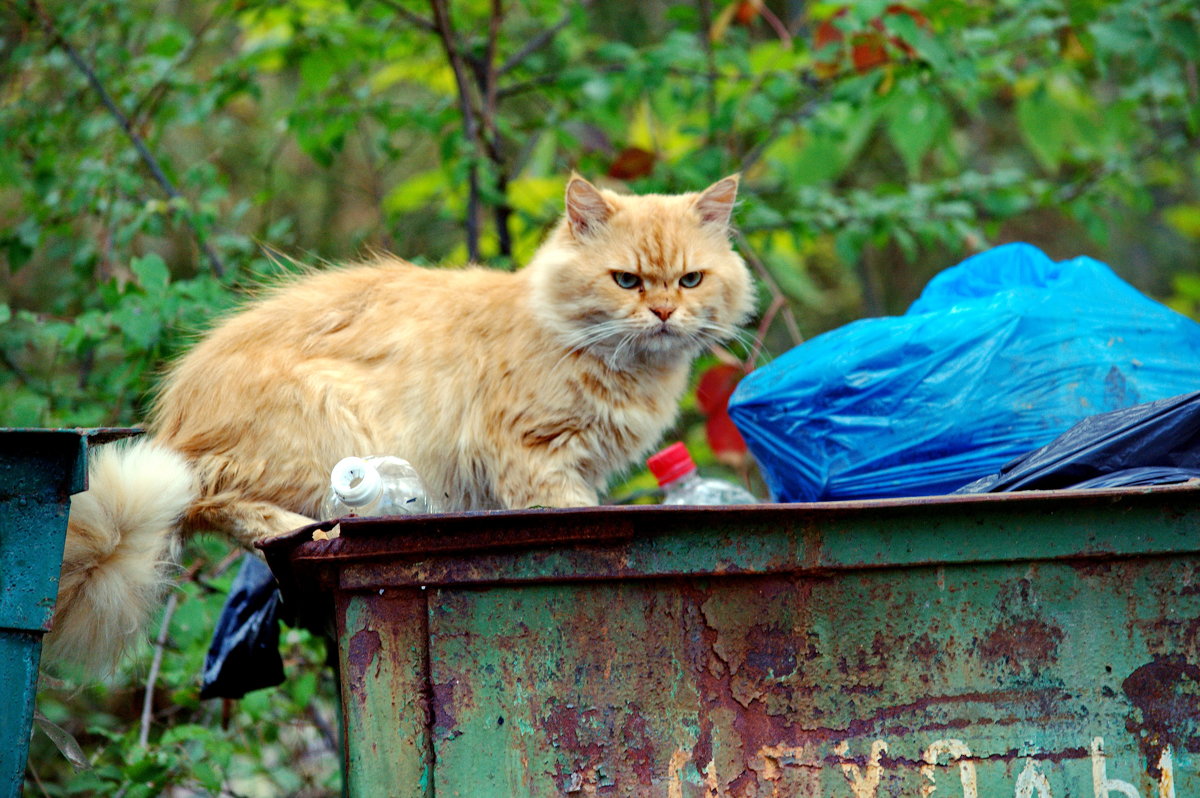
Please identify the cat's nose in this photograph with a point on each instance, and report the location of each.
(663, 312)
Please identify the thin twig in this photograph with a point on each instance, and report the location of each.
(159, 644)
(12, 365)
(807, 109)
(36, 778)
(416, 19)
(328, 733)
(710, 60)
(534, 44)
(781, 30)
(488, 79)
(760, 335)
(145, 106)
(789, 318)
(144, 153)
(445, 31)
(502, 212)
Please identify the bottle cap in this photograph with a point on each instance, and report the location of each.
(355, 481)
(671, 463)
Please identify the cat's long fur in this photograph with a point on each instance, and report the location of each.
(505, 390)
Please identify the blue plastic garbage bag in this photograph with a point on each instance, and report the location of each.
(244, 653)
(999, 355)
(1155, 443)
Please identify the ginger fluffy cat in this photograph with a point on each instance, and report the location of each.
(505, 390)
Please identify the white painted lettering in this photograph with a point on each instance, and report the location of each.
(1102, 785)
(782, 765)
(863, 786)
(712, 787)
(1031, 779)
(1166, 775)
(674, 781)
(957, 751)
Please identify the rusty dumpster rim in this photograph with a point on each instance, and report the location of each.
(441, 533)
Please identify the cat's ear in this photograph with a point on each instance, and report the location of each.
(715, 203)
(587, 210)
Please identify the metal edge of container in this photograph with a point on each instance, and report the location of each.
(36, 510)
(501, 538)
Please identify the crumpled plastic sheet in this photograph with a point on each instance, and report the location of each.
(1154, 443)
(244, 653)
(999, 355)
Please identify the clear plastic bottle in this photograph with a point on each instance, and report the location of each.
(375, 486)
(676, 473)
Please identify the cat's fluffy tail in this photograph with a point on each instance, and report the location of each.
(121, 540)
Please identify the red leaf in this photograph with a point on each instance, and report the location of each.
(867, 49)
(725, 440)
(716, 386)
(632, 163)
(746, 12)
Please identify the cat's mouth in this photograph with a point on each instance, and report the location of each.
(665, 336)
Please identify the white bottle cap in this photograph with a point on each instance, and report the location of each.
(356, 481)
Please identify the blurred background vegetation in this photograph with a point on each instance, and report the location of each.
(162, 157)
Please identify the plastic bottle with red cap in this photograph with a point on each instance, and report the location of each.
(676, 472)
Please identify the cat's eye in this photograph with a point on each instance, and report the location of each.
(627, 279)
(691, 279)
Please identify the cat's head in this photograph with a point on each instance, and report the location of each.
(649, 277)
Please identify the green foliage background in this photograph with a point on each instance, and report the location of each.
(323, 129)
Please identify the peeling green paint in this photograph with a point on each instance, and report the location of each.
(1042, 645)
(39, 470)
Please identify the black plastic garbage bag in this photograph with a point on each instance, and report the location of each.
(244, 653)
(1148, 444)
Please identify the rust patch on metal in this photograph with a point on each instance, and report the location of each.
(584, 735)
(1031, 642)
(639, 748)
(441, 703)
(925, 650)
(1165, 694)
(775, 652)
(365, 646)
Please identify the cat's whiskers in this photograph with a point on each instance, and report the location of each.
(615, 361)
(717, 334)
(588, 337)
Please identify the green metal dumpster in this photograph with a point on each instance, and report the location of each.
(39, 470)
(1039, 644)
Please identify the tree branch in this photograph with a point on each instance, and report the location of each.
(789, 318)
(778, 303)
(535, 44)
(781, 30)
(146, 106)
(445, 31)
(710, 61)
(489, 77)
(159, 644)
(491, 140)
(143, 152)
(415, 19)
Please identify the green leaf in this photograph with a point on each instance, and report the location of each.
(1187, 286)
(186, 732)
(1184, 35)
(915, 121)
(1184, 218)
(140, 323)
(25, 408)
(63, 740)
(152, 273)
(1041, 127)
